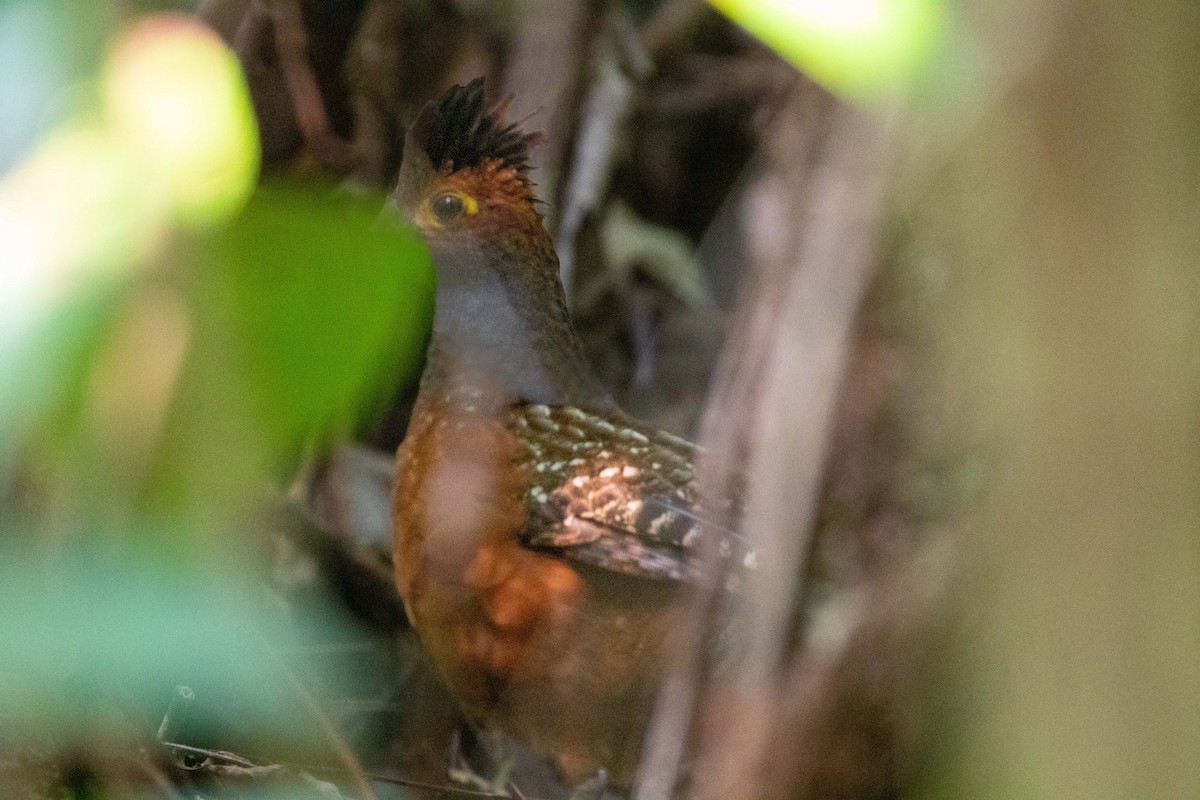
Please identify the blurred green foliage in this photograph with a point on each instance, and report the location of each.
(307, 317)
(153, 409)
(330, 308)
(299, 314)
(48, 47)
(855, 48)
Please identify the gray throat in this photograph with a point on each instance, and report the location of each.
(511, 328)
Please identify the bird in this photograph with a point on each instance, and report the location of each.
(542, 536)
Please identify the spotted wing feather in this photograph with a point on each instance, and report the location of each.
(609, 493)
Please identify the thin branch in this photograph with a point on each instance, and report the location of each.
(832, 253)
(603, 114)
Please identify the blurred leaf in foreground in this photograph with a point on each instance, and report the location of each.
(857, 48)
(168, 344)
(303, 313)
(176, 92)
(90, 208)
(46, 46)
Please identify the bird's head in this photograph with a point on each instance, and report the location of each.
(464, 175)
(500, 311)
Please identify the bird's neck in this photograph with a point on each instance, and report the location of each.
(508, 326)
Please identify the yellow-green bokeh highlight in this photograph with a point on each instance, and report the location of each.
(165, 137)
(174, 90)
(81, 207)
(176, 141)
(856, 48)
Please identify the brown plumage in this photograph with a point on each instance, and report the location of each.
(541, 535)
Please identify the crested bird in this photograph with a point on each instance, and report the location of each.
(541, 535)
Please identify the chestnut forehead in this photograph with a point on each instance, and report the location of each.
(490, 183)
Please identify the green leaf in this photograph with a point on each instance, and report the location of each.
(857, 48)
(323, 303)
(303, 312)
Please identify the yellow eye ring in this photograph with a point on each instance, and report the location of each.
(446, 207)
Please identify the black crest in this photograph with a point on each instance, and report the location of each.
(460, 130)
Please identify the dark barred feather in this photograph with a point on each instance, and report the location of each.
(612, 493)
(459, 130)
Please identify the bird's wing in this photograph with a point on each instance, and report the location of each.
(608, 492)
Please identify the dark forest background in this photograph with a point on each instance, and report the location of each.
(940, 315)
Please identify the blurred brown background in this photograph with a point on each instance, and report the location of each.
(944, 336)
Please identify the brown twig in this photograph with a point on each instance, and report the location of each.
(725, 435)
(831, 257)
(229, 759)
(812, 232)
(544, 71)
(291, 43)
(604, 112)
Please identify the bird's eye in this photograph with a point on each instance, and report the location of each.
(447, 207)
